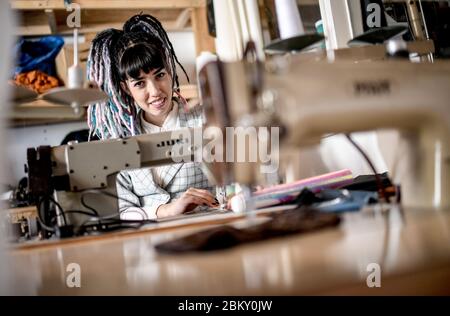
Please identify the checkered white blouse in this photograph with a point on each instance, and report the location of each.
(151, 187)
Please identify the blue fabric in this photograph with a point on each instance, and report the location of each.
(337, 201)
(38, 54)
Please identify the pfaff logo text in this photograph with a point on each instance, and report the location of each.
(375, 87)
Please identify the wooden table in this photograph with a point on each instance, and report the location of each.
(412, 250)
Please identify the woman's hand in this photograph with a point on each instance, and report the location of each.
(188, 201)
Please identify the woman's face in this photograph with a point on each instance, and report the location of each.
(153, 93)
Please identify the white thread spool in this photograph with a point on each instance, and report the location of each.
(289, 20)
(237, 203)
(75, 72)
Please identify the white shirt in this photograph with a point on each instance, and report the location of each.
(170, 123)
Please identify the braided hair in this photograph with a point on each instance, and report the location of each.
(143, 44)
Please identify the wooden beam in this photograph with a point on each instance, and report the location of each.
(183, 19)
(36, 22)
(39, 30)
(106, 4)
(51, 20)
(32, 30)
(169, 26)
(203, 41)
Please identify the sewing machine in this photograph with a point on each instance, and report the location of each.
(310, 100)
(82, 176)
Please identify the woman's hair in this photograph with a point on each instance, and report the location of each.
(116, 55)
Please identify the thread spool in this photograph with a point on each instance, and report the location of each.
(289, 19)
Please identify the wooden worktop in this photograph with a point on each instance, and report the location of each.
(413, 252)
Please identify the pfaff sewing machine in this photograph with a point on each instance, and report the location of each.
(309, 100)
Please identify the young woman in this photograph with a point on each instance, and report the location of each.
(136, 66)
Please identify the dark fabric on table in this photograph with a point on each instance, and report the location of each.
(297, 221)
(368, 182)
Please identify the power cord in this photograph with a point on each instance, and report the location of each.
(381, 189)
(104, 223)
(111, 220)
(111, 225)
(113, 196)
(39, 217)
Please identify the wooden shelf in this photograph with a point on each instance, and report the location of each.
(46, 17)
(43, 22)
(39, 17)
(40, 112)
(107, 4)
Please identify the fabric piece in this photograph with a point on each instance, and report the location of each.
(286, 193)
(336, 200)
(37, 81)
(295, 221)
(344, 200)
(38, 54)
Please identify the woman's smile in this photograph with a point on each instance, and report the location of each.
(159, 103)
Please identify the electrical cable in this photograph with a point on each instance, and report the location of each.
(39, 217)
(111, 219)
(60, 209)
(87, 206)
(381, 189)
(77, 212)
(116, 197)
(110, 224)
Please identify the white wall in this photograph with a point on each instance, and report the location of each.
(184, 46)
(21, 138)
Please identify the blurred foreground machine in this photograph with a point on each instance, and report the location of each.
(309, 100)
